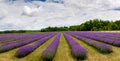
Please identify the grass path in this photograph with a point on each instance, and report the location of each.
(34, 56)
(63, 53)
(94, 55)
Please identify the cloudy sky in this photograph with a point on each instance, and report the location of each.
(30, 14)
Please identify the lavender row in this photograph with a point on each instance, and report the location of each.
(102, 47)
(108, 35)
(11, 46)
(9, 38)
(49, 53)
(25, 50)
(102, 39)
(12, 38)
(112, 36)
(78, 51)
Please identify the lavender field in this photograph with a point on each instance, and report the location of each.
(60, 46)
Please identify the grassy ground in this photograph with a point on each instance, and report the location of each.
(94, 55)
(63, 53)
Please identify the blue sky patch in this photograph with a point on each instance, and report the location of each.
(117, 9)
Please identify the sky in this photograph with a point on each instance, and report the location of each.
(38, 14)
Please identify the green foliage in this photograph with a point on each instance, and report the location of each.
(14, 31)
(19, 31)
(91, 25)
(50, 29)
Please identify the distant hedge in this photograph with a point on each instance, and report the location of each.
(14, 31)
(91, 25)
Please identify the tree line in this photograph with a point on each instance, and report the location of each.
(91, 25)
(13, 31)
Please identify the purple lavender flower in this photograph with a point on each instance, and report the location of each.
(109, 38)
(50, 51)
(11, 46)
(104, 48)
(78, 51)
(25, 50)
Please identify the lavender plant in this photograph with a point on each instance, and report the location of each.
(25, 50)
(78, 51)
(49, 53)
(102, 47)
(11, 46)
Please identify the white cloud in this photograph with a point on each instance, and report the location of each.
(38, 15)
(30, 11)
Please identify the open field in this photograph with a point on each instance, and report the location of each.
(63, 52)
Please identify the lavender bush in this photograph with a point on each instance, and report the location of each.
(109, 38)
(50, 51)
(102, 47)
(78, 51)
(25, 50)
(11, 46)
